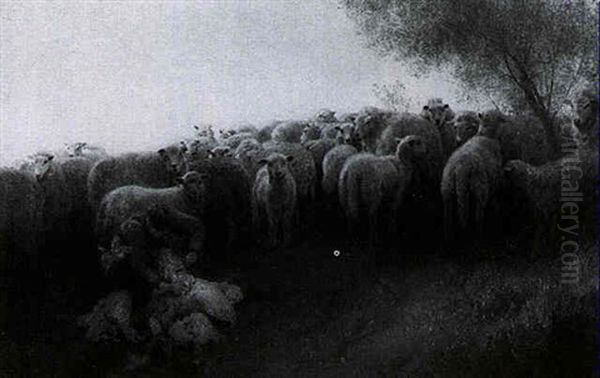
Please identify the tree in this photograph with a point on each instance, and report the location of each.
(531, 54)
(393, 96)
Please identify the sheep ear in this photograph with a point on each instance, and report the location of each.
(196, 127)
(289, 158)
(446, 106)
(50, 158)
(425, 107)
(161, 152)
(480, 115)
(338, 128)
(262, 162)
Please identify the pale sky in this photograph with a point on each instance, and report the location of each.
(133, 75)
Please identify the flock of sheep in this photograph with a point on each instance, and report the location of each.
(212, 194)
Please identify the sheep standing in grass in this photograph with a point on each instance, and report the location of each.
(372, 186)
(151, 169)
(187, 201)
(274, 199)
(441, 115)
(471, 177)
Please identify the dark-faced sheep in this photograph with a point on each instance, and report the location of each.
(274, 199)
(371, 186)
(288, 132)
(440, 115)
(151, 169)
(186, 200)
(472, 176)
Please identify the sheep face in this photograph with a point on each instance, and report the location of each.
(347, 134)
(174, 159)
(277, 166)
(325, 115)
(517, 172)
(310, 132)
(465, 127)
(411, 145)
(40, 166)
(75, 149)
(194, 185)
(220, 151)
(437, 112)
(490, 123)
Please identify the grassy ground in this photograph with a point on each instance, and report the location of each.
(308, 312)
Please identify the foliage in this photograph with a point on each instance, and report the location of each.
(534, 55)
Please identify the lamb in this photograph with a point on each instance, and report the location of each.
(441, 115)
(21, 219)
(288, 132)
(471, 177)
(404, 124)
(367, 182)
(186, 201)
(274, 199)
(83, 149)
(151, 169)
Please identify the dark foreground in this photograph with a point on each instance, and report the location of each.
(306, 312)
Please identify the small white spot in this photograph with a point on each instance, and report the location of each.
(336, 253)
